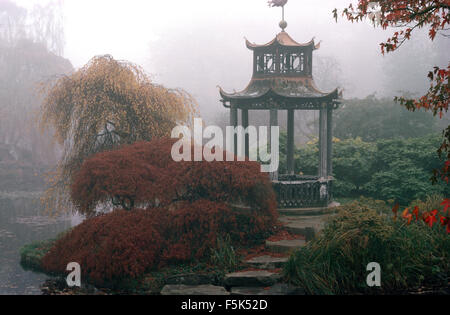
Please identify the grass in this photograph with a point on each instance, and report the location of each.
(363, 232)
(32, 254)
(225, 256)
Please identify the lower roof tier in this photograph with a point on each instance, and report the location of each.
(302, 88)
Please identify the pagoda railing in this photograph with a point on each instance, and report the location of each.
(303, 191)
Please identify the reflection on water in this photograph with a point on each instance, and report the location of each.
(22, 222)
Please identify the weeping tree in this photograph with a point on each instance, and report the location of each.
(105, 104)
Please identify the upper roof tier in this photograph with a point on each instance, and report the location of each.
(282, 69)
(282, 39)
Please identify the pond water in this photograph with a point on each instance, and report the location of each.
(21, 222)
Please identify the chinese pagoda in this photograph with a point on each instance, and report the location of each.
(282, 80)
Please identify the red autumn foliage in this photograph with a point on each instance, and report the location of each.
(428, 217)
(139, 174)
(126, 244)
(197, 203)
(111, 246)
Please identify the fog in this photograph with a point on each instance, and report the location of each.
(199, 44)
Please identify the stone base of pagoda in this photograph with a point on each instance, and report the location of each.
(303, 192)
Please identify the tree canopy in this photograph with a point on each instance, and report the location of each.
(406, 16)
(374, 119)
(105, 104)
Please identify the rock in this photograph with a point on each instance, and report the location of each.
(259, 278)
(285, 246)
(267, 262)
(192, 279)
(181, 289)
(277, 289)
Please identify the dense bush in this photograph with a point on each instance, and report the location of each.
(145, 174)
(387, 169)
(335, 262)
(109, 247)
(188, 207)
(402, 169)
(126, 244)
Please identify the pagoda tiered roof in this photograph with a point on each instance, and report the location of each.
(291, 88)
(282, 39)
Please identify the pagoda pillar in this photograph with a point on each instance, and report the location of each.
(290, 142)
(323, 142)
(330, 141)
(246, 135)
(234, 123)
(273, 123)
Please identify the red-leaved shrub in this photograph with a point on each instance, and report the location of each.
(188, 205)
(110, 247)
(126, 244)
(143, 173)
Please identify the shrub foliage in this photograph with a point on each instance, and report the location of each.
(177, 211)
(398, 169)
(335, 263)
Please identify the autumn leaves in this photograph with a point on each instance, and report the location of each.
(428, 217)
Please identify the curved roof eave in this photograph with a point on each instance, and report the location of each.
(282, 39)
(235, 96)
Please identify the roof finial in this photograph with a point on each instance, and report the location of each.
(280, 3)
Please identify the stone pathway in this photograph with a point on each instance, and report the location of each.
(264, 277)
(181, 289)
(267, 262)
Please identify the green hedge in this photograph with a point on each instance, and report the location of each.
(398, 169)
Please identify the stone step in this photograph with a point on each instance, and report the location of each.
(181, 289)
(309, 211)
(285, 246)
(308, 226)
(192, 279)
(277, 289)
(258, 278)
(267, 262)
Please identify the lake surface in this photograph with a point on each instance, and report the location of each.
(21, 222)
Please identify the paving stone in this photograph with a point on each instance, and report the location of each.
(309, 226)
(277, 289)
(267, 262)
(259, 278)
(181, 289)
(192, 279)
(285, 246)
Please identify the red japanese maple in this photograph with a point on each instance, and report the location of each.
(176, 211)
(144, 174)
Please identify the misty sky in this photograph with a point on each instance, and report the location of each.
(154, 33)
